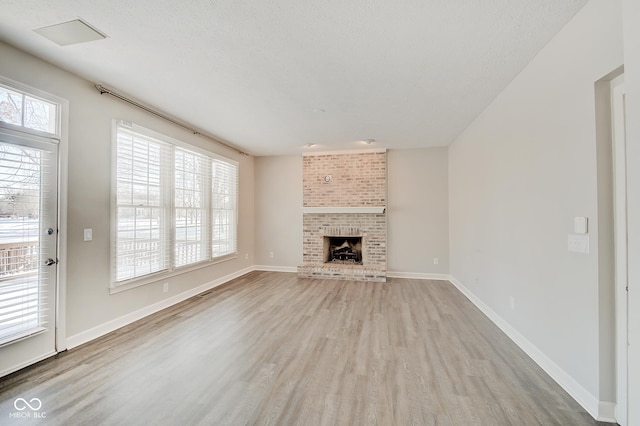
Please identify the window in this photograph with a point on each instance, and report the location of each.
(22, 110)
(224, 193)
(142, 208)
(175, 205)
(190, 206)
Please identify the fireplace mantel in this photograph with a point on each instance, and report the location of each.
(344, 210)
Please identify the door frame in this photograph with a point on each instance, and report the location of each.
(620, 238)
(63, 156)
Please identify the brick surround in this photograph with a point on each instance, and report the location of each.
(357, 180)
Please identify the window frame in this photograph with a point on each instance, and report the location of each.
(170, 230)
(26, 91)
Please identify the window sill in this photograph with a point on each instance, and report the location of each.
(163, 275)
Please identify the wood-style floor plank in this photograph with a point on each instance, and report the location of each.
(274, 349)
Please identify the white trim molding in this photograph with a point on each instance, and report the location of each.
(607, 412)
(109, 326)
(599, 410)
(346, 151)
(273, 268)
(344, 210)
(418, 276)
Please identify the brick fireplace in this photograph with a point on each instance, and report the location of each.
(344, 202)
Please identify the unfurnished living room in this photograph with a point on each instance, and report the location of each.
(320, 213)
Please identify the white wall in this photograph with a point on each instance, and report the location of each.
(90, 309)
(631, 17)
(417, 212)
(278, 184)
(518, 175)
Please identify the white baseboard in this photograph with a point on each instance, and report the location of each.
(418, 276)
(606, 412)
(602, 411)
(271, 268)
(109, 326)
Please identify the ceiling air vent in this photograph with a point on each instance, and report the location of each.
(71, 32)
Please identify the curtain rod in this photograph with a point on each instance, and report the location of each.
(104, 91)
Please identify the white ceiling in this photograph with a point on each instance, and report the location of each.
(271, 76)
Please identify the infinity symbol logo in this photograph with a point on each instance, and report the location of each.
(22, 404)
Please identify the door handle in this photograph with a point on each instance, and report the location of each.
(50, 262)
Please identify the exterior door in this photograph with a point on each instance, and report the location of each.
(28, 248)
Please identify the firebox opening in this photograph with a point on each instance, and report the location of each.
(346, 250)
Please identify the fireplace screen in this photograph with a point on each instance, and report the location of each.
(343, 250)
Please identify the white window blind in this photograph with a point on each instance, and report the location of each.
(142, 205)
(191, 183)
(175, 205)
(23, 296)
(224, 185)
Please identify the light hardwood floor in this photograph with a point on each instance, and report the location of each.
(270, 348)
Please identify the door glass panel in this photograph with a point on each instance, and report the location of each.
(22, 295)
(31, 113)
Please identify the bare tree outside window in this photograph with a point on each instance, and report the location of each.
(26, 111)
(11, 106)
(20, 179)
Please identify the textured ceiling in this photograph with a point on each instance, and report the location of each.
(272, 76)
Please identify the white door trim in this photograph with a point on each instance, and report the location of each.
(620, 233)
(63, 158)
(63, 155)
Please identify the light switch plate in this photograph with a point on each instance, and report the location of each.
(580, 225)
(88, 234)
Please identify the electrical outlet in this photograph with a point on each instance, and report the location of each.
(246, 256)
(271, 254)
(435, 260)
(578, 243)
(165, 287)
